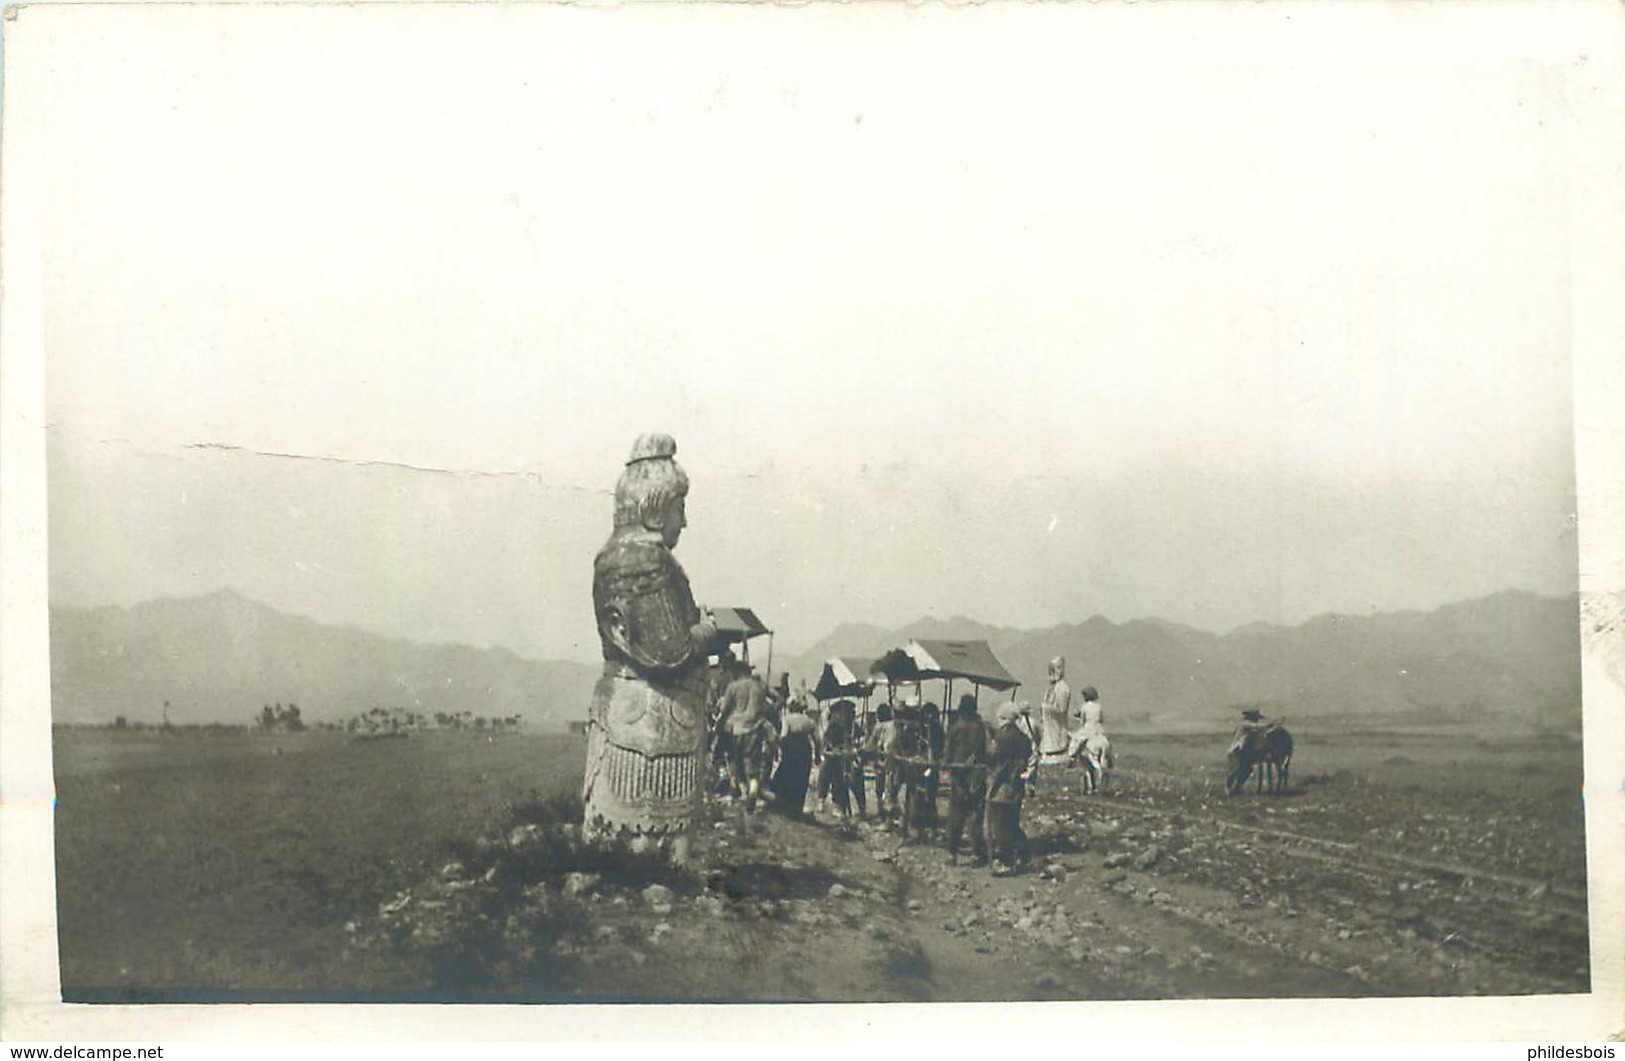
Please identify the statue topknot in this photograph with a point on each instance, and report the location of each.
(656, 445)
(651, 479)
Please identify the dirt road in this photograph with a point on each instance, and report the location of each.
(1156, 889)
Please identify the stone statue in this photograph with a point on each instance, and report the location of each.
(646, 726)
(1055, 714)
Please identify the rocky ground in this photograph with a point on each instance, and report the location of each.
(1156, 889)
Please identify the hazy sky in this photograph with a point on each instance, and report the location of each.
(962, 311)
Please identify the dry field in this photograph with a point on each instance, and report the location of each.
(215, 867)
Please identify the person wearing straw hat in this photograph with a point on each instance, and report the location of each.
(1252, 724)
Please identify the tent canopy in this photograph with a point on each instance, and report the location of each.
(844, 676)
(897, 666)
(738, 624)
(928, 660)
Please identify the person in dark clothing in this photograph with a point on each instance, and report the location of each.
(856, 780)
(795, 763)
(933, 740)
(965, 761)
(1006, 787)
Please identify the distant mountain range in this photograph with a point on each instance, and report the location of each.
(1510, 660)
(221, 657)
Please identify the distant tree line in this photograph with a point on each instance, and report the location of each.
(278, 719)
(124, 722)
(379, 719)
(287, 718)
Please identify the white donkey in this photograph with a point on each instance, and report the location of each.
(1094, 754)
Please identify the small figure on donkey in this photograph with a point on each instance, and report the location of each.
(1264, 745)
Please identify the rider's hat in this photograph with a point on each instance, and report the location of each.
(1253, 714)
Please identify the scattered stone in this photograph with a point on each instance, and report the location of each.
(452, 871)
(837, 890)
(1025, 924)
(1114, 879)
(525, 835)
(913, 904)
(660, 930)
(1116, 859)
(490, 875)
(1078, 952)
(577, 884)
(970, 921)
(1344, 934)
(657, 894)
(1148, 858)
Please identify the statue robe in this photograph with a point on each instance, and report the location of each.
(646, 725)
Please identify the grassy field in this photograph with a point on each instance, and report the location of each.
(1441, 759)
(234, 863)
(215, 862)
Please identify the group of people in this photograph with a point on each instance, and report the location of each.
(764, 742)
(774, 747)
(659, 697)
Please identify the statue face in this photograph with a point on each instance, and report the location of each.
(1057, 669)
(673, 520)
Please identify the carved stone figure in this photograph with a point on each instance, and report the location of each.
(646, 725)
(1055, 712)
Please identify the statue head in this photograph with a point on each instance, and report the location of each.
(1057, 669)
(652, 489)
